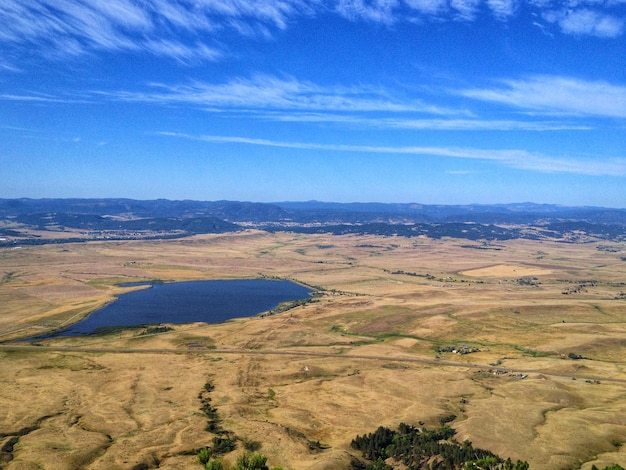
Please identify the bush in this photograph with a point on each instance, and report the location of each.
(251, 462)
(251, 446)
(214, 465)
(223, 445)
(447, 419)
(204, 455)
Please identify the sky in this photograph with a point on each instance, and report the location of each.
(425, 101)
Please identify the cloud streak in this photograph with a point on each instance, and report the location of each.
(290, 100)
(38, 98)
(450, 124)
(513, 158)
(189, 32)
(365, 106)
(271, 98)
(556, 95)
(272, 93)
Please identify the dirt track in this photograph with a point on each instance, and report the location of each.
(299, 353)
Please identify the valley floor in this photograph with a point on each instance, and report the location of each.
(522, 341)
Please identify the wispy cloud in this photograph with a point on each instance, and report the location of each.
(519, 159)
(481, 125)
(273, 93)
(192, 31)
(4, 66)
(447, 124)
(460, 172)
(393, 11)
(366, 106)
(428, 7)
(378, 11)
(601, 18)
(503, 9)
(184, 31)
(272, 98)
(465, 10)
(184, 53)
(557, 95)
(587, 22)
(15, 128)
(38, 98)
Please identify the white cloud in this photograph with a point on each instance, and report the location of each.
(176, 15)
(465, 10)
(9, 67)
(519, 159)
(585, 21)
(38, 98)
(185, 31)
(457, 10)
(560, 95)
(272, 93)
(428, 7)
(480, 125)
(378, 11)
(272, 98)
(448, 124)
(503, 9)
(120, 12)
(190, 31)
(184, 53)
(276, 12)
(82, 21)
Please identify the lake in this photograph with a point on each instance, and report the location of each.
(189, 302)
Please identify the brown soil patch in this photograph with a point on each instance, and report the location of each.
(506, 271)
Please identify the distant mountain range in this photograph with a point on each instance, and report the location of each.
(28, 220)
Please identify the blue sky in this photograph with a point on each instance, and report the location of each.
(430, 101)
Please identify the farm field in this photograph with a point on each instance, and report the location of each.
(543, 326)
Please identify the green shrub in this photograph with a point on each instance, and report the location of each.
(204, 455)
(251, 462)
(215, 465)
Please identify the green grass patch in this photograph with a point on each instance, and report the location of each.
(531, 352)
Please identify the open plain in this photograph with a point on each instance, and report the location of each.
(524, 342)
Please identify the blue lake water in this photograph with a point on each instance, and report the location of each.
(189, 302)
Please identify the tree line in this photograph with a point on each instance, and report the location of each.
(425, 449)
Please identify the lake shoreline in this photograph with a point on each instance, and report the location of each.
(182, 302)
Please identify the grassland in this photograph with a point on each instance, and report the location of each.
(372, 351)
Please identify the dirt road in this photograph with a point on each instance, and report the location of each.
(416, 360)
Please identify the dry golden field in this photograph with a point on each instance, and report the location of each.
(364, 355)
